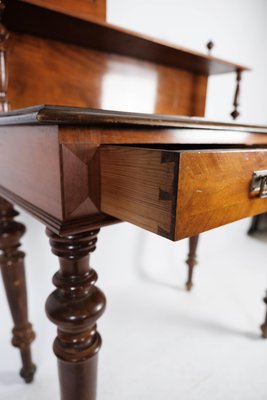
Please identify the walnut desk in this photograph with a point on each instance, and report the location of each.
(77, 170)
(62, 53)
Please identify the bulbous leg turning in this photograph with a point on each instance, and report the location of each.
(13, 274)
(191, 260)
(75, 307)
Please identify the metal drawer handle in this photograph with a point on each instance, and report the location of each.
(259, 183)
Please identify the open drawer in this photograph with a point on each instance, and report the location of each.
(179, 194)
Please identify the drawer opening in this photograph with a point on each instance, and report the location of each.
(180, 193)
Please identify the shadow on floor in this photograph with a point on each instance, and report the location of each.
(196, 323)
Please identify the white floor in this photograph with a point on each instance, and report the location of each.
(159, 342)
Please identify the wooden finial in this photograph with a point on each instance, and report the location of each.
(4, 34)
(210, 46)
(235, 113)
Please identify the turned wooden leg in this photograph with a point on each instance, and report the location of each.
(264, 325)
(254, 224)
(12, 268)
(191, 260)
(74, 307)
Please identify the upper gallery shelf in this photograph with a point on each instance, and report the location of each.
(25, 17)
(77, 8)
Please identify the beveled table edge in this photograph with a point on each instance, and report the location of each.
(61, 115)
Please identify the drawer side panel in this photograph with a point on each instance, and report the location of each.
(139, 186)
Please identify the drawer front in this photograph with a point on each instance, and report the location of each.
(179, 194)
(77, 8)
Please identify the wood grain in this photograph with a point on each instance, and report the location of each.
(40, 175)
(109, 38)
(98, 80)
(30, 168)
(77, 8)
(57, 178)
(137, 185)
(212, 188)
(80, 180)
(164, 136)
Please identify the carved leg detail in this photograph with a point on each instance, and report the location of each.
(264, 325)
(74, 307)
(191, 260)
(12, 268)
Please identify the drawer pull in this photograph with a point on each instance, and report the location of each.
(259, 183)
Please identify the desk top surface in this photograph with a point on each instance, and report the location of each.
(59, 115)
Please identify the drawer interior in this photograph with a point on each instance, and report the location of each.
(180, 193)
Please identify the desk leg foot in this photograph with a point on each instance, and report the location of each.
(191, 260)
(254, 225)
(75, 307)
(264, 325)
(13, 273)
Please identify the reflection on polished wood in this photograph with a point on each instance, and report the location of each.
(78, 8)
(54, 162)
(11, 231)
(69, 155)
(175, 192)
(98, 80)
(4, 35)
(98, 35)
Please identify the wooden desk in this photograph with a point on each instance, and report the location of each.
(61, 53)
(77, 170)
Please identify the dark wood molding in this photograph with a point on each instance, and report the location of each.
(76, 116)
(58, 226)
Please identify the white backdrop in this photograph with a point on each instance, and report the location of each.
(238, 29)
(158, 340)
